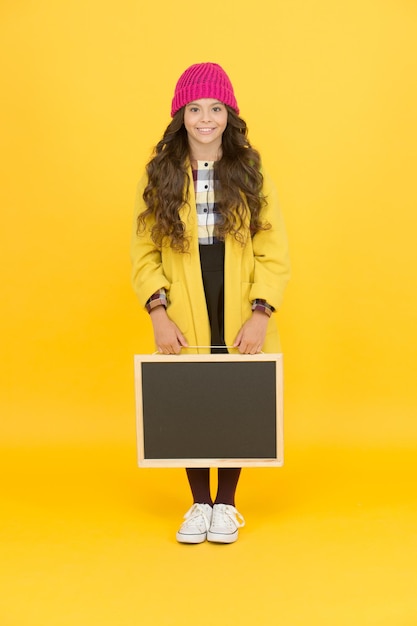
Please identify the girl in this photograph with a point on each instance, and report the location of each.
(209, 255)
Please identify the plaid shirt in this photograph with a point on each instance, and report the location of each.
(205, 182)
(207, 214)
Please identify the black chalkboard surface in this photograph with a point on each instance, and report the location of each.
(209, 410)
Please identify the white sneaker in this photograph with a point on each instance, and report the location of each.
(196, 525)
(224, 524)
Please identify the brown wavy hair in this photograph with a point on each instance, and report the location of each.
(238, 174)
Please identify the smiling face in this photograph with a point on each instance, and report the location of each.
(205, 121)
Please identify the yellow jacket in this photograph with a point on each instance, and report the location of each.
(258, 269)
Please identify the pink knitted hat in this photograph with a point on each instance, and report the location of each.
(203, 80)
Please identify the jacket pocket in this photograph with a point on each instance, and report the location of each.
(178, 309)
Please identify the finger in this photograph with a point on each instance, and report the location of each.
(242, 348)
(175, 347)
(182, 340)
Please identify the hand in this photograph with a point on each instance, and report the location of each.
(168, 337)
(251, 336)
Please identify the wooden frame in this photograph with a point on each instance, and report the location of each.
(209, 410)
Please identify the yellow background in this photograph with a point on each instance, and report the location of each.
(329, 93)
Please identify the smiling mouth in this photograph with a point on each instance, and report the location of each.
(205, 130)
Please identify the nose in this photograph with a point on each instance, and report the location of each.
(206, 115)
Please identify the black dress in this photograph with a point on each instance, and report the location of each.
(212, 267)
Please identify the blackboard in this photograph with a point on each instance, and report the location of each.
(209, 410)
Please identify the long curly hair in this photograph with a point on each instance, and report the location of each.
(239, 180)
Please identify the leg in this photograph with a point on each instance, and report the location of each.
(228, 479)
(198, 517)
(199, 479)
(226, 519)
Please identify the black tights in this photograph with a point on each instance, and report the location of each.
(199, 479)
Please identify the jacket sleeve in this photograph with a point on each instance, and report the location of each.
(147, 273)
(270, 250)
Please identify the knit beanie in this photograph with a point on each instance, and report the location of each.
(203, 80)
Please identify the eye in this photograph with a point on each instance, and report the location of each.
(193, 109)
(217, 109)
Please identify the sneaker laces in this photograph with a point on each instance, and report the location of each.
(195, 511)
(228, 512)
